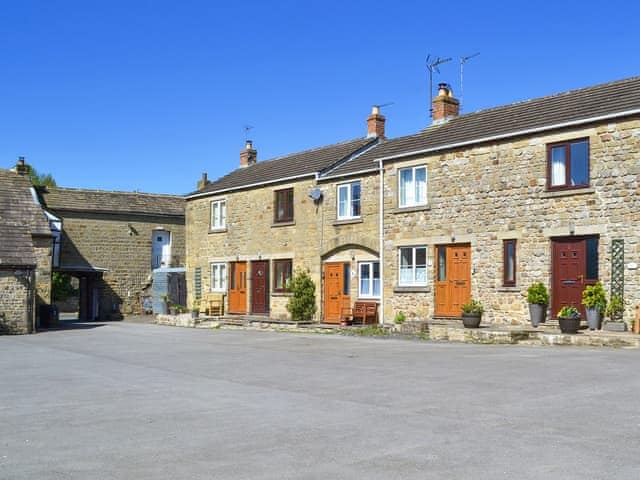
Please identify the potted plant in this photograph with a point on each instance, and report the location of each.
(595, 301)
(195, 309)
(165, 304)
(569, 319)
(538, 298)
(614, 312)
(472, 314)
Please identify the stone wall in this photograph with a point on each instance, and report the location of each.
(251, 234)
(16, 301)
(121, 244)
(491, 192)
(42, 247)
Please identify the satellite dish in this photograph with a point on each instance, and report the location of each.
(316, 194)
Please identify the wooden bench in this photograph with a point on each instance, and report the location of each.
(212, 304)
(365, 312)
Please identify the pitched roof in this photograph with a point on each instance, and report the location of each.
(545, 113)
(101, 201)
(300, 164)
(20, 218)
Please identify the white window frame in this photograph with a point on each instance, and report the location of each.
(220, 220)
(218, 277)
(414, 282)
(371, 279)
(349, 188)
(412, 187)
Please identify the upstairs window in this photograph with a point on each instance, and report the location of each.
(349, 201)
(218, 214)
(568, 164)
(413, 266)
(283, 205)
(412, 186)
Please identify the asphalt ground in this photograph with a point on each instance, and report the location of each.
(137, 401)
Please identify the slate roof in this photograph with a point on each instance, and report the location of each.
(509, 120)
(20, 218)
(101, 201)
(305, 163)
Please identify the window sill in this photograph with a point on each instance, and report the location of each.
(416, 208)
(568, 192)
(282, 294)
(283, 224)
(368, 299)
(347, 221)
(217, 230)
(411, 289)
(509, 289)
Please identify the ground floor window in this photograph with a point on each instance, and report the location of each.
(413, 266)
(282, 275)
(218, 277)
(369, 279)
(509, 263)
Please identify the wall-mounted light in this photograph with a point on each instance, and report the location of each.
(572, 228)
(353, 255)
(453, 236)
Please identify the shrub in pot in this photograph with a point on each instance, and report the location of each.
(569, 319)
(614, 312)
(472, 314)
(538, 298)
(594, 299)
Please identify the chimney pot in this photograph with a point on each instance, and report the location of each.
(21, 167)
(445, 105)
(375, 123)
(203, 182)
(248, 156)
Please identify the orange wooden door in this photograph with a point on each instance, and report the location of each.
(334, 288)
(453, 279)
(238, 287)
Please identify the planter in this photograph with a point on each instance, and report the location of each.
(195, 314)
(471, 320)
(173, 311)
(615, 327)
(163, 308)
(569, 324)
(593, 318)
(537, 313)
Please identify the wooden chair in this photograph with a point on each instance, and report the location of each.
(365, 311)
(346, 312)
(212, 304)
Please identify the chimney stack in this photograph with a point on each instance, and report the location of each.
(375, 123)
(21, 167)
(248, 156)
(203, 182)
(445, 106)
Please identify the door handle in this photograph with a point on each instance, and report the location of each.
(581, 278)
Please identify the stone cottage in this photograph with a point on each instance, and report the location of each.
(477, 206)
(25, 253)
(249, 230)
(483, 204)
(112, 241)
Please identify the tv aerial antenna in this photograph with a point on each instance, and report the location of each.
(246, 131)
(464, 60)
(432, 65)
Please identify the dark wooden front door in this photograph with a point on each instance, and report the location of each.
(453, 279)
(260, 287)
(570, 258)
(238, 287)
(334, 291)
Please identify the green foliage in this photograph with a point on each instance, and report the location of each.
(474, 306)
(371, 331)
(61, 287)
(399, 318)
(538, 294)
(40, 179)
(196, 305)
(302, 305)
(594, 296)
(568, 312)
(615, 308)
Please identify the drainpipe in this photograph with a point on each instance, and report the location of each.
(381, 239)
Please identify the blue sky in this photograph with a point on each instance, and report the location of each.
(147, 95)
